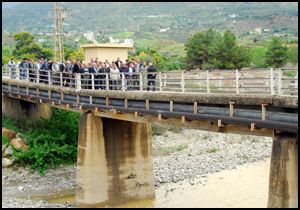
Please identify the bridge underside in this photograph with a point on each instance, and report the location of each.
(114, 162)
(22, 109)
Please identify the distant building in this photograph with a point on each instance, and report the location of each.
(266, 30)
(164, 30)
(113, 41)
(106, 51)
(232, 16)
(41, 40)
(257, 30)
(128, 41)
(277, 34)
(89, 36)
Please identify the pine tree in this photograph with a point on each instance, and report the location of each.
(276, 55)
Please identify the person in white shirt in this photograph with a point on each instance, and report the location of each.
(114, 76)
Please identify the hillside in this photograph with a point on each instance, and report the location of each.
(164, 26)
(182, 18)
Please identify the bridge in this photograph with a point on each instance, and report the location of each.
(114, 143)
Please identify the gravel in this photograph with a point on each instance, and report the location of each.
(180, 155)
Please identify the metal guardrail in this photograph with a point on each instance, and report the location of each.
(245, 81)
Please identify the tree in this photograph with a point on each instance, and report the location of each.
(257, 56)
(276, 55)
(293, 55)
(27, 47)
(6, 54)
(226, 54)
(77, 54)
(197, 47)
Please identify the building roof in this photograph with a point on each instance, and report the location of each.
(108, 45)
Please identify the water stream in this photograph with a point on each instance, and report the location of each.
(245, 186)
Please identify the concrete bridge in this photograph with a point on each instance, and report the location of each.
(114, 143)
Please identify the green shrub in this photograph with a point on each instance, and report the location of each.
(169, 150)
(51, 142)
(212, 150)
(5, 140)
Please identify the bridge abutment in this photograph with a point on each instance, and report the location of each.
(20, 109)
(114, 162)
(283, 183)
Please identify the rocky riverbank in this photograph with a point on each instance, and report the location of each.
(179, 154)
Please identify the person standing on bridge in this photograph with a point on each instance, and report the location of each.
(23, 69)
(119, 63)
(12, 66)
(115, 76)
(151, 76)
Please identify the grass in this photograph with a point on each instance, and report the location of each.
(158, 130)
(212, 150)
(169, 150)
(5, 140)
(289, 73)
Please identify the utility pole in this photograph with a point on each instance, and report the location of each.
(59, 16)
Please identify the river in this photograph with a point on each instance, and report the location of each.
(245, 186)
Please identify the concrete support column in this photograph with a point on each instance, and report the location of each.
(114, 162)
(283, 186)
(20, 109)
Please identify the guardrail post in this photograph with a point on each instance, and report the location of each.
(107, 81)
(182, 82)
(27, 74)
(272, 81)
(61, 78)
(49, 77)
(78, 82)
(37, 76)
(93, 81)
(237, 81)
(279, 82)
(160, 81)
(296, 80)
(141, 81)
(207, 81)
(123, 82)
(10, 72)
(165, 80)
(17, 73)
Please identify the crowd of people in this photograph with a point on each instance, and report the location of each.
(100, 69)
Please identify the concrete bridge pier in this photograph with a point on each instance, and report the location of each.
(114, 164)
(20, 109)
(283, 184)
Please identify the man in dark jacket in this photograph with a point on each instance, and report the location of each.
(76, 68)
(151, 76)
(119, 63)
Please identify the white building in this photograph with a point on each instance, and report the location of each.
(128, 41)
(266, 30)
(232, 16)
(164, 30)
(257, 30)
(41, 40)
(90, 36)
(112, 40)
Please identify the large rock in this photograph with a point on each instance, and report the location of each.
(6, 162)
(8, 133)
(3, 147)
(18, 144)
(7, 151)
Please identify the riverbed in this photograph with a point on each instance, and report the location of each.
(192, 168)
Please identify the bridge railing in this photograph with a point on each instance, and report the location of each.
(245, 81)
